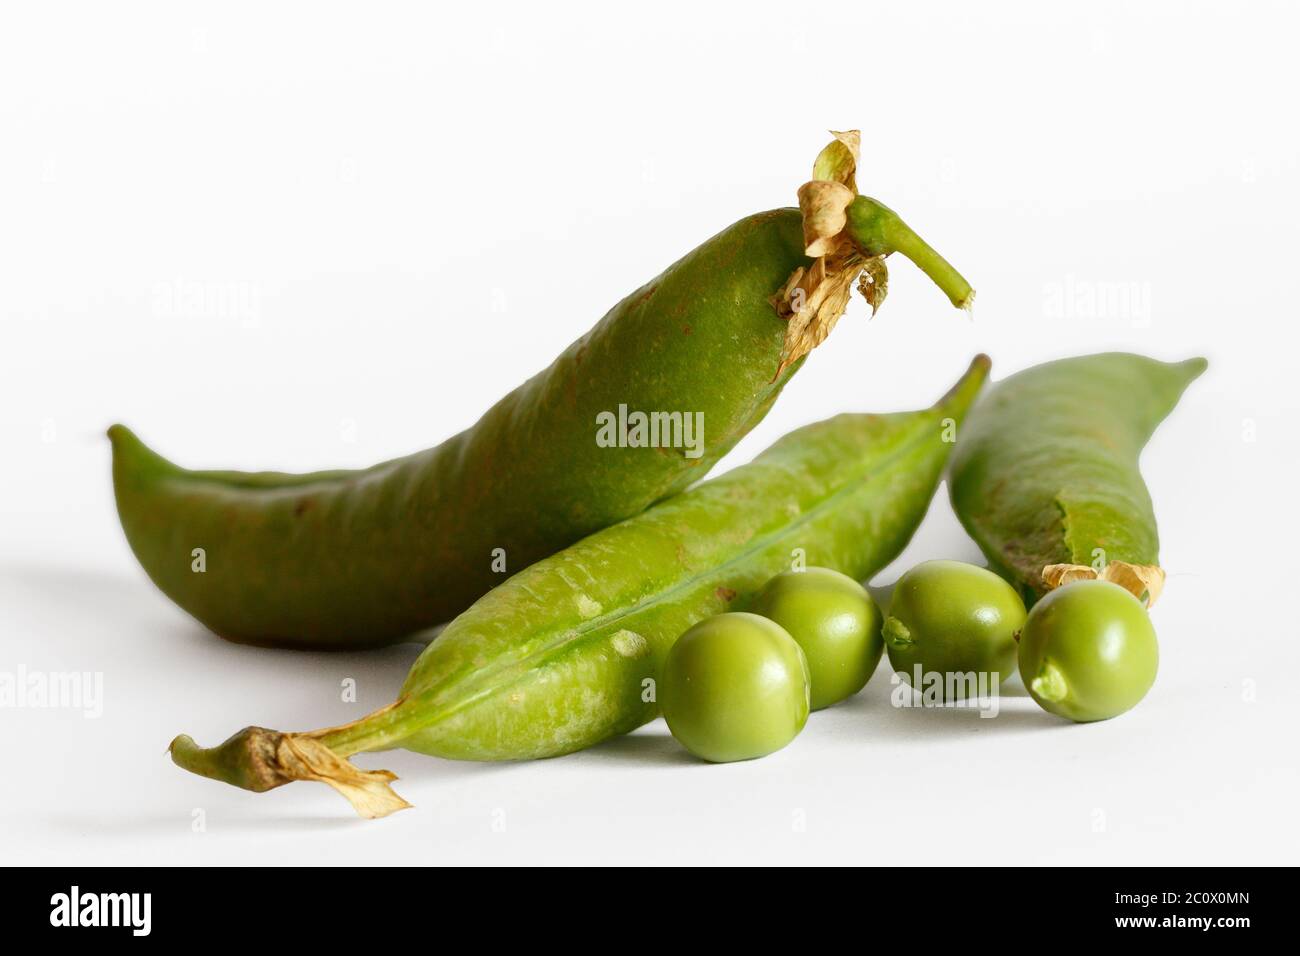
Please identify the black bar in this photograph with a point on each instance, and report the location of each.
(974, 904)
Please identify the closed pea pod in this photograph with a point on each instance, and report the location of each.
(568, 652)
(366, 557)
(1045, 476)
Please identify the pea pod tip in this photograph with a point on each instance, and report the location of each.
(965, 388)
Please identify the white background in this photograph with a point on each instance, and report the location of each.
(395, 213)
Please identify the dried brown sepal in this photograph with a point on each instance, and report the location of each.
(873, 284)
(303, 758)
(825, 209)
(811, 302)
(1143, 581)
(838, 161)
(1059, 575)
(813, 298)
(1137, 579)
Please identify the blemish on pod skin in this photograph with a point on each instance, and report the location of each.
(629, 643)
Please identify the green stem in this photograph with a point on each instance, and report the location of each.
(376, 730)
(879, 231)
(245, 760)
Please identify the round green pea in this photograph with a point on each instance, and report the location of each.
(735, 687)
(956, 621)
(1088, 651)
(834, 620)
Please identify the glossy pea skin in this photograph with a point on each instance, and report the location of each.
(735, 687)
(834, 620)
(1088, 651)
(950, 617)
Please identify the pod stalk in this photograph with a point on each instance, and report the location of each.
(847, 237)
(879, 231)
(258, 759)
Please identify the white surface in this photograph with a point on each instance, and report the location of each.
(420, 206)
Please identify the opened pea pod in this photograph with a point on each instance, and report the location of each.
(1045, 476)
(569, 651)
(364, 558)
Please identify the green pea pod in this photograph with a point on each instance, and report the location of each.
(566, 653)
(1046, 480)
(365, 558)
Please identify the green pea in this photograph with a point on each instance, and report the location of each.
(955, 620)
(735, 687)
(1088, 651)
(834, 620)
